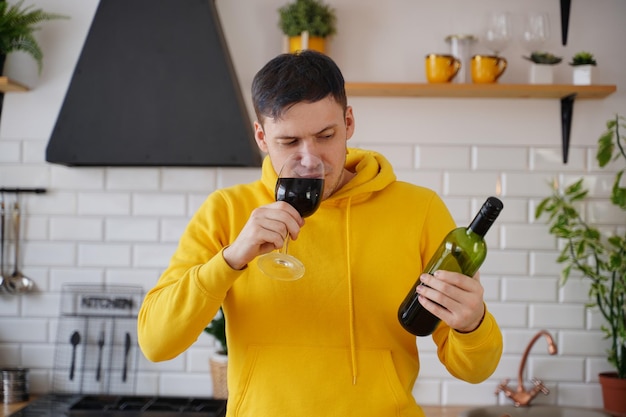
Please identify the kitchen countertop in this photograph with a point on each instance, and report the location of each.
(430, 410)
(11, 408)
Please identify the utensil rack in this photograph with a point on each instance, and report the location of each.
(22, 190)
(96, 350)
(15, 283)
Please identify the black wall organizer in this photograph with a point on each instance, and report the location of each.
(96, 350)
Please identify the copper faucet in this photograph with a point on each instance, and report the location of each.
(521, 397)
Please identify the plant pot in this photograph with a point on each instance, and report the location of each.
(304, 41)
(218, 364)
(582, 75)
(613, 393)
(541, 74)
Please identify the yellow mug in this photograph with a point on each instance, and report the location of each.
(487, 68)
(441, 68)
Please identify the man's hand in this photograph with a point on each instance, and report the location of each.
(264, 232)
(460, 299)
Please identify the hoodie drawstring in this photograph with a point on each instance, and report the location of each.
(350, 297)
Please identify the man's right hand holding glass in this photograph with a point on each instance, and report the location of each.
(264, 232)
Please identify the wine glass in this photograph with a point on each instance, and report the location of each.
(300, 183)
(497, 31)
(536, 31)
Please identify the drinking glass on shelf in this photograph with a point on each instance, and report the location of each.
(301, 184)
(498, 31)
(536, 31)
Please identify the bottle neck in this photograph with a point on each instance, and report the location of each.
(486, 216)
(480, 226)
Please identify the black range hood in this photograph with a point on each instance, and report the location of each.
(154, 86)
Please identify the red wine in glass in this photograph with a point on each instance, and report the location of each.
(301, 184)
(304, 194)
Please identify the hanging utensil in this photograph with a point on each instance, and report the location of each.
(3, 277)
(100, 348)
(126, 350)
(74, 341)
(18, 282)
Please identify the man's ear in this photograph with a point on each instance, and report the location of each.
(349, 122)
(259, 137)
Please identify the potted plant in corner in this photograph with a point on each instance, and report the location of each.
(218, 362)
(17, 28)
(598, 256)
(541, 69)
(306, 24)
(583, 63)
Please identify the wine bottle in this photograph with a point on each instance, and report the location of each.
(462, 250)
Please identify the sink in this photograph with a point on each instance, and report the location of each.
(531, 411)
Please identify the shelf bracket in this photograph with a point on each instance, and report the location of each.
(567, 110)
(565, 8)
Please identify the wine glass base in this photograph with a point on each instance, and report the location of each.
(281, 266)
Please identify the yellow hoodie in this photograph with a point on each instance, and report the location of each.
(330, 343)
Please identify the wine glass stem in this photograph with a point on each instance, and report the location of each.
(285, 245)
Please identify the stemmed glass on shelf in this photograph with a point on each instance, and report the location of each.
(301, 184)
(536, 31)
(497, 32)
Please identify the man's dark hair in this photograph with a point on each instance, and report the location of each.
(288, 79)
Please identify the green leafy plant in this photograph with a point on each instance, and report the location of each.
(311, 15)
(17, 27)
(583, 58)
(544, 58)
(217, 329)
(599, 257)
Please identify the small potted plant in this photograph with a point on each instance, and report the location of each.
(598, 256)
(17, 28)
(583, 63)
(306, 24)
(218, 362)
(541, 70)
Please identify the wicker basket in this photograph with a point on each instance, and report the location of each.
(219, 367)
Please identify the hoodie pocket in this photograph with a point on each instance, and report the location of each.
(307, 381)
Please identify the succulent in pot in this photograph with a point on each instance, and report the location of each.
(544, 58)
(307, 23)
(541, 70)
(583, 63)
(583, 58)
(307, 15)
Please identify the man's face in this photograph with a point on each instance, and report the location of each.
(318, 128)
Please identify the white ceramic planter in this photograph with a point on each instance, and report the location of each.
(582, 74)
(541, 74)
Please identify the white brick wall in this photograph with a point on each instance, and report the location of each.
(121, 225)
(116, 235)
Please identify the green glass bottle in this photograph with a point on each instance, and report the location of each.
(462, 250)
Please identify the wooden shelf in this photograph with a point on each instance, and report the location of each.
(450, 90)
(567, 93)
(8, 85)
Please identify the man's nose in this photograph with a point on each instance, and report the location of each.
(308, 147)
(308, 160)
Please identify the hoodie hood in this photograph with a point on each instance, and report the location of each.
(373, 173)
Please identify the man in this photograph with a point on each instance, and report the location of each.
(329, 344)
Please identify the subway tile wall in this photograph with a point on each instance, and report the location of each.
(121, 225)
